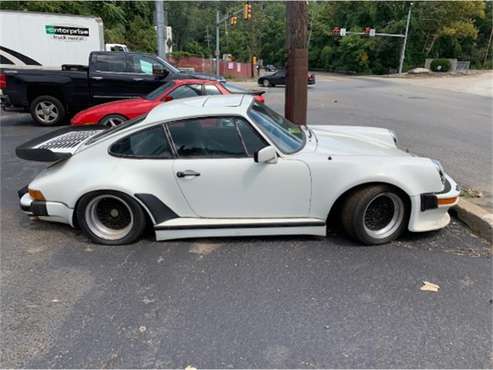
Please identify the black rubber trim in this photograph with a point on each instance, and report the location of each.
(160, 211)
(428, 201)
(447, 187)
(22, 191)
(4, 60)
(28, 152)
(23, 58)
(236, 226)
(38, 208)
(25, 208)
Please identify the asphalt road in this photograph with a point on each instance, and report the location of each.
(299, 302)
(455, 128)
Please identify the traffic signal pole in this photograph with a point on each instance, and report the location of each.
(338, 31)
(245, 9)
(403, 50)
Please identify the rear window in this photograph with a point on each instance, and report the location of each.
(148, 143)
(111, 62)
(114, 129)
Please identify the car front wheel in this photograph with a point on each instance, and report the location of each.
(375, 214)
(266, 83)
(110, 218)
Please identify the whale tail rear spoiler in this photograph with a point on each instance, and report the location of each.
(56, 145)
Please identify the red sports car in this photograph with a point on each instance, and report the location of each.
(113, 113)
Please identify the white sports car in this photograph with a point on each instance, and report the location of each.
(230, 166)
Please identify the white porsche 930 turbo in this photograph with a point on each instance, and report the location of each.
(230, 166)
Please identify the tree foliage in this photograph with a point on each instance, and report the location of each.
(453, 29)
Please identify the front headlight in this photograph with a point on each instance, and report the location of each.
(440, 170)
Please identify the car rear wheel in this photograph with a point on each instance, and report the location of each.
(111, 218)
(375, 215)
(112, 120)
(47, 110)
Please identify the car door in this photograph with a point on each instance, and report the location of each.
(219, 178)
(140, 69)
(108, 78)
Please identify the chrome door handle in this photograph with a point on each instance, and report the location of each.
(97, 78)
(138, 79)
(187, 173)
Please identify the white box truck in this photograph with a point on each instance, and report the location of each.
(47, 40)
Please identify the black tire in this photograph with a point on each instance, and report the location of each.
(112, 120)
(268, 84)
(47, 110)
(103, 216)
(375, 214)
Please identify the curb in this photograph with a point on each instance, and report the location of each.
(479, 220)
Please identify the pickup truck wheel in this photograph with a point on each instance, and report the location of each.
(112, 120)
(47, 110)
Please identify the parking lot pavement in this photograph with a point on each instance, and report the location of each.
(300, 302)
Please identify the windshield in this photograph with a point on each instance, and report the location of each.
(235, 89)
(287, 136)
(156, 93)
(114, 129)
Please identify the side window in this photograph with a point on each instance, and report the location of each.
(186, 91)
(142, 64)
(148, 143)
(207, 138)
(253, 141)
(111, 62)
(211, 90)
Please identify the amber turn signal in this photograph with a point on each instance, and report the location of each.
(446, 201)
(36, 194)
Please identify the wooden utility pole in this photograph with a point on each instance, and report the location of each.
(297, 66)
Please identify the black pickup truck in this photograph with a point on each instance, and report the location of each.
(51, 96)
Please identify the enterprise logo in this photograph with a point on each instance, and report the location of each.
(67, 31)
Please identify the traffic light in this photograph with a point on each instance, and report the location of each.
(369, 31)
(233, 20)
(247, 11)
(338, 31)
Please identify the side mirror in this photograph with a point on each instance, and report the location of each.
(267, 154)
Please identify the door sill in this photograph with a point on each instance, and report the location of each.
(180, 228)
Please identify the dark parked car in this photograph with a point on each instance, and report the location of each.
(279, 78)
(53, 95)
(270, 68)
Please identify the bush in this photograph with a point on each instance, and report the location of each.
(440, 65)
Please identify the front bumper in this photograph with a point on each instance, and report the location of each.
(45, 210)
(427, 211)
